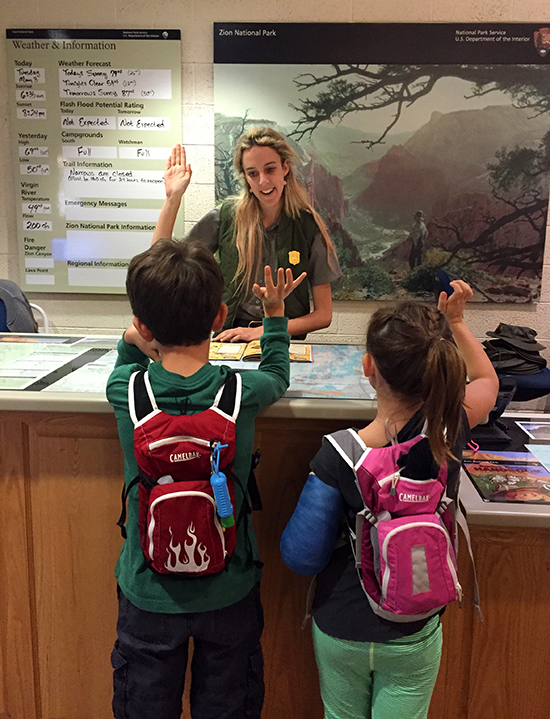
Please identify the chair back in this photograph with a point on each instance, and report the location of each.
(45, 321)
(3, 322)
(19, 316)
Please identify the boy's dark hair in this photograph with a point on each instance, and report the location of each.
(175, 289)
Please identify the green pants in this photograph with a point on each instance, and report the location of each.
(363, 680)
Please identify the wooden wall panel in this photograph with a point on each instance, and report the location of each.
(510, 662)
(76, 475)
(60, 482)
(17, 675)
(450, 697)
(292, 686)
(498, 668)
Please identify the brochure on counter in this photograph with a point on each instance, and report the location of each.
(501, 476)
(251, 351)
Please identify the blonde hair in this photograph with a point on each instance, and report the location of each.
(249, 228)
(413, 350)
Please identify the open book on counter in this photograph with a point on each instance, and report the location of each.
(251, 351)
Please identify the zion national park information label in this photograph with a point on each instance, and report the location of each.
(94, 115)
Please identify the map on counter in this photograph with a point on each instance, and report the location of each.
(90, 378)
(94, 114)
(22, 364)
(335, 372)
(541, 452)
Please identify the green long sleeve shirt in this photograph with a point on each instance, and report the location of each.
(176, 394)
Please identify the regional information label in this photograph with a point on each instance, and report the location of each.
(94, 116)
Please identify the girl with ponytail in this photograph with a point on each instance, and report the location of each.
(418, 360)
(270, 223)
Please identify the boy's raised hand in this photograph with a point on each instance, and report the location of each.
(273, 296)
(177, 174)
(273, 299)
(453, 306)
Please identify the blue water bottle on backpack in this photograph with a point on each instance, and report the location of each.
(219, 487)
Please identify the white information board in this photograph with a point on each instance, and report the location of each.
(94, 116)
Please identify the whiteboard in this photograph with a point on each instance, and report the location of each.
(94, 115)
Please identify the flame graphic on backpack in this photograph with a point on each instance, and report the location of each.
(188, 564)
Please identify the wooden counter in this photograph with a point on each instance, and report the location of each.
(498, 668)
(61, 477)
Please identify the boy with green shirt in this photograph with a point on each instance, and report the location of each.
(175, 291)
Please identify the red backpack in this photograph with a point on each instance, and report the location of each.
(186, 527)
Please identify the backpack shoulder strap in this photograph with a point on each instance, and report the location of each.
(228, 397)
(353, 451)
(141, 400)
(349, 446)
(142, 403)
(460, 520)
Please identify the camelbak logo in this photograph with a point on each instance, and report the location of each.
(414, 497)
(184, 456)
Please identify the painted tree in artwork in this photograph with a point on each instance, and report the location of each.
(358, 88)
(227, 133)
(519, 180)
(493, 230)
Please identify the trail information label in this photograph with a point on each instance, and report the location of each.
(94, 116)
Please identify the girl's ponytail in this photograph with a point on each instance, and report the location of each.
(444, 384)
(413, 350)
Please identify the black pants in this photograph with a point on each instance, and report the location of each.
(150, 658)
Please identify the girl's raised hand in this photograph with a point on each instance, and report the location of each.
(177, 174)
(453, 306)
(273, 295)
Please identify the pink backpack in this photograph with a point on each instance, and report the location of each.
(184, 529)
(405, 538)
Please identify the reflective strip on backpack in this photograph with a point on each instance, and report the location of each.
(356, 540)
(179, 438)
(149, 390)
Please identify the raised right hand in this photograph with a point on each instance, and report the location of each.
(177, 174)
(453, 306)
